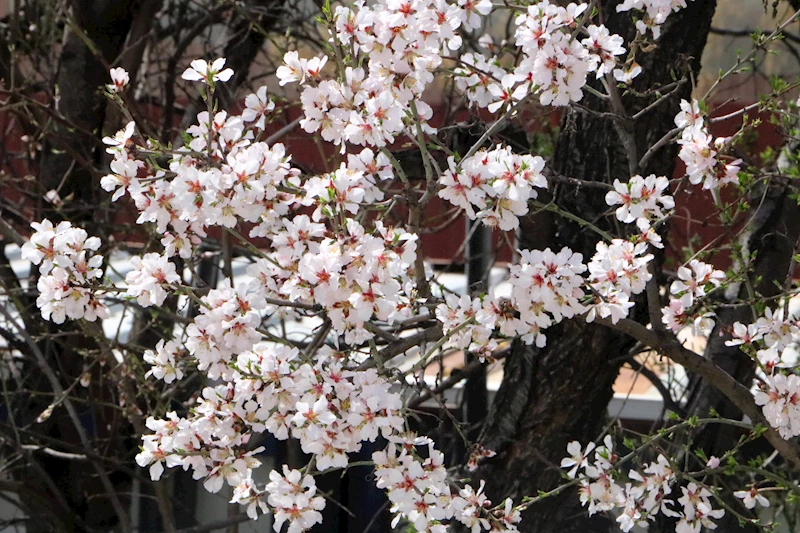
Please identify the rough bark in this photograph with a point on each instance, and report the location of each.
(69, 154)
(560, 393)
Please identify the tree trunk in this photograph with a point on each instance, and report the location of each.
(560, 393)
(69, 156)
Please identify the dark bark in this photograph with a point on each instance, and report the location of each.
(554, 395)
(247, 36)
(69, 153)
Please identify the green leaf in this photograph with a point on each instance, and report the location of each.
(701, 455)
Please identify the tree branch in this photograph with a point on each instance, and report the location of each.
(73, 415)
(669, 346)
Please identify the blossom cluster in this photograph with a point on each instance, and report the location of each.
(293, 497)
(466, 324)
(655, 13)
(617, 272)
(225, 326)
(693, 281)
(417, 491)
(396, 45)
(163, 361)
(552, 64)
(354, 274)
(547, 289)
(641, 200)
(329, 408)
(773, 331)
(780, 400)
(692, 284)
(69, 268)
(701, 152)
(150, 279)
(497, 183)
(778, 393)
(644, 494)
(356, 277)
(240, 184)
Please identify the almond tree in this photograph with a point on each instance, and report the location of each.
(337, 254)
